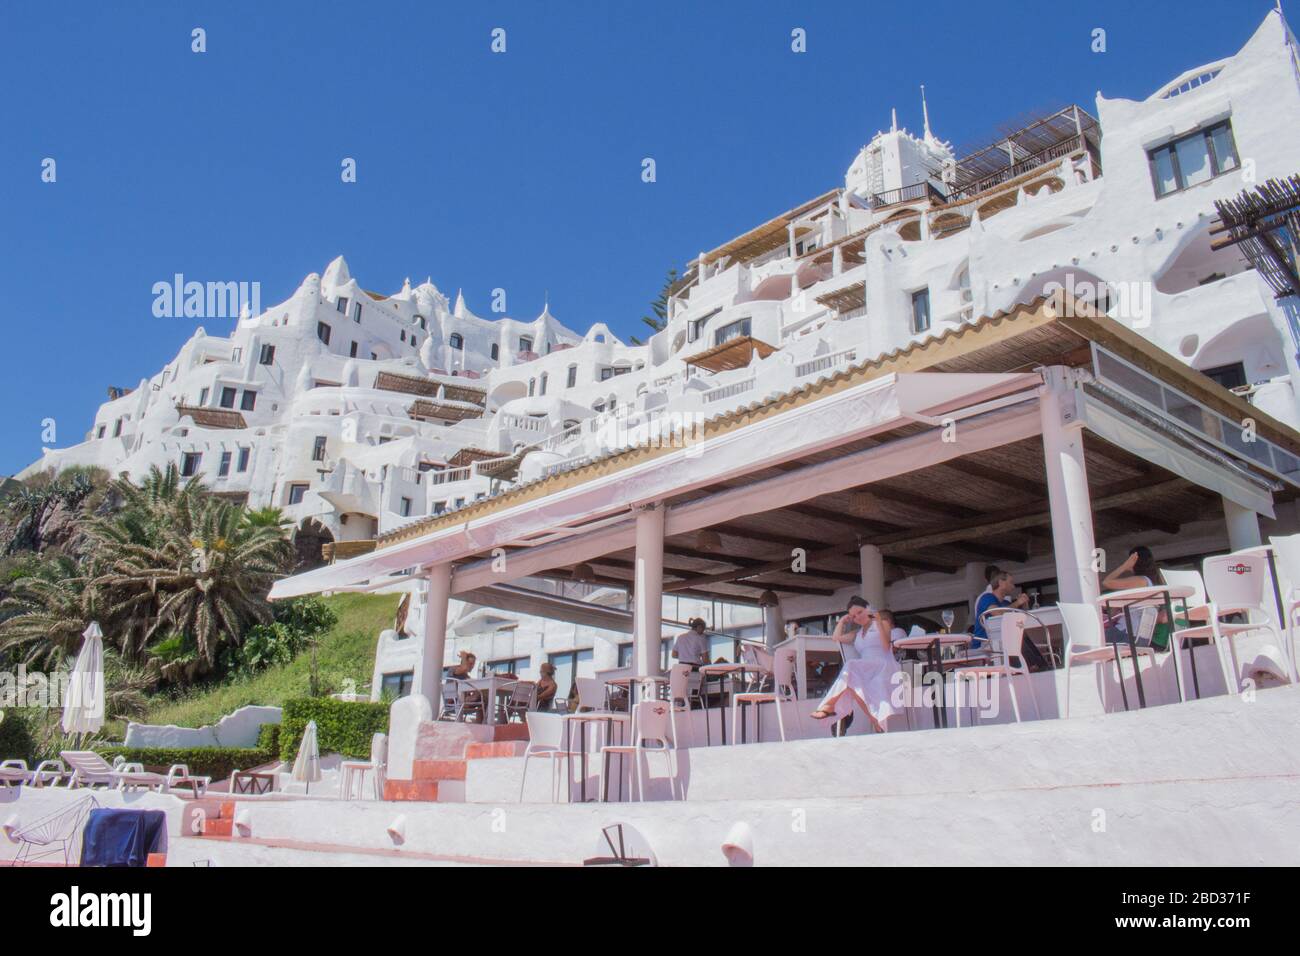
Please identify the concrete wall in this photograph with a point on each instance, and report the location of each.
(238, 729)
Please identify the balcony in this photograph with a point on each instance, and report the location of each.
(913, 193)
(349, 490)
(205, 417)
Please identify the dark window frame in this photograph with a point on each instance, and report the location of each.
(1206, 134)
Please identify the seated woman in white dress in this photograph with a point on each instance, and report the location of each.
(871, 680)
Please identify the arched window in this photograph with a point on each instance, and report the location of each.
(542, 390)
(419, 319)
(457, 342)
(532, 387)
(496, 351)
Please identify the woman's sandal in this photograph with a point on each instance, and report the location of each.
(820, 714)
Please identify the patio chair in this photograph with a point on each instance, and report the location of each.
(1011, 636)
(1237, 584)
(352, 773)
(1286, 554)
(652, 725)
(1198, 614)
(14, 772)
(546, 740)
(591, 693)
(57, 832)
(523, 698)
(783, 692)
(679, 697)
(450, 699)
(470, 702)
(1085, 643)
(89, 769)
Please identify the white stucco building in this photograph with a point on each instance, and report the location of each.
(359, 414)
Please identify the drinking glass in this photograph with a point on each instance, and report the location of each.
(948, 617)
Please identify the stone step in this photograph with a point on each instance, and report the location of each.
(438, 770)
(497, 748)
(421, 790)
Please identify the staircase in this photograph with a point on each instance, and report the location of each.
(443, 752)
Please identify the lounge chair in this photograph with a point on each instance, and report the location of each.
(89, 769)
(15, 772)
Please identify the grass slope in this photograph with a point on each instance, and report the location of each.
(346, 651)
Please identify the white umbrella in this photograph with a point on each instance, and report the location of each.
(83, 708)
(306, 766)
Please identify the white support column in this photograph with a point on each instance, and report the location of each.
(648, 590)
(1243, 526)
(872, 563)
(975, 584)
(436, 596)
(1067, 489)
(837, 260)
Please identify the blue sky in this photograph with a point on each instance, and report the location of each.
(518, 170)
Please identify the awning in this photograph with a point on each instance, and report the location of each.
(731, 354)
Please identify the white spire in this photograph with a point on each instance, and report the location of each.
(459, 309)
(893, 120)
(925, 112)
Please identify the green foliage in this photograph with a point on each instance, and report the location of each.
(215, 762)
(341, 726)
(658, 320)
(16, 738)
(308, 616)
(297, 625)
(268, 738)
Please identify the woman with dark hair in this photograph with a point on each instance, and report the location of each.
(869, 678)
(1139, 570)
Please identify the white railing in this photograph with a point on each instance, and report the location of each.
(824, 362)
(449, 475)
(853, 313)
(409, 475)
(525, 423)
(729, 391)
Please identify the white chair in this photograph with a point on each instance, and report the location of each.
(89, 769)
(1286, 554)
(651, 724)
(1085, 643)
(783, 692)
(679, 698)
(1011, 630)
(1237, 584)
(591, 693)
(352, 773)
(58, 832)
(546, 740)
(15, 771)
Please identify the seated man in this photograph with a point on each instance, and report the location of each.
(692, 647)
(999, 595)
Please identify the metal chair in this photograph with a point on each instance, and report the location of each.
(783, 692)
(523, 698)
(1011, 636)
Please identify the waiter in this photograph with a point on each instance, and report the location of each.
(692, 647)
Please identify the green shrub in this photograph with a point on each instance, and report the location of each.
(268, 738)
(16, 739)
(307, 617)
(215, 762)
(342, 727)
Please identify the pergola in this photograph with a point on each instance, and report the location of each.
(1038, 431)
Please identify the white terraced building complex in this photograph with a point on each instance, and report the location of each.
(362, 415)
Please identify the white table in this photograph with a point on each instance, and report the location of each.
(806, 645)
(1129, 599)
(932, 645)
(488, 688)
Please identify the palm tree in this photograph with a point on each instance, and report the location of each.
(48, 610)
(659, 320)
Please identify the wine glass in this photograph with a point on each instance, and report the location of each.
(948, 617)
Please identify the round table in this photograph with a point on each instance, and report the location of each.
(932, 645)
(1157, 595)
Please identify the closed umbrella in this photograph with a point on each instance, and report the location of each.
(306, 766)
(83, 708)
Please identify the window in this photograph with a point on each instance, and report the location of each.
(296, 493)
(242, 464)
(1193, 159)
(397, 685)
(732, 330)
(665, 654)
(415, 343)
(100, 433)
(356, 312)
(403, 335)
(267, 355)
(542, 385)
(117, 428)
(456, 341)
(920, 310)
(227, 398)
(404, 509)
(525, 344)
(223, 469)
(374, 357)
(318, 449)
(496, 352)
(323, 332)
(694, 328)
(342, 305)
(568, 665)
(532, 387)
(203, 396)
(419, 320)
(352, 352)
(190, 462)
(248, 401)
(573, 377)
(439, 507)
(1229, 376)
(511, 665)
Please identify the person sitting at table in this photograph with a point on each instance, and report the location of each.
(465, 669)
(692, 647)
(999, 595)
(870, 680)
(1139, 570)
(546, 687)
